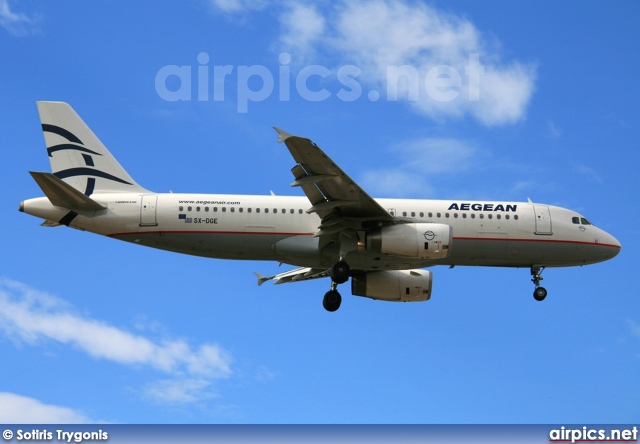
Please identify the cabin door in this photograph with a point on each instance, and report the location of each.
(148, 207)
(543, 219)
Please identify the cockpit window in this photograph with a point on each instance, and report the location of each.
(580, 220)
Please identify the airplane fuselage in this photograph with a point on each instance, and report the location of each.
(278, 228)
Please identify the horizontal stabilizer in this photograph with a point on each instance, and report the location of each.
(299, 274)
(61, 194)
(261, 279)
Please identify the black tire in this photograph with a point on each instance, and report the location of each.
(340, 272)
(540, 293)
(332, 300)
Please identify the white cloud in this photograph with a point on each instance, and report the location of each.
(303, 26)
(386, 37)
(396, 182)
(435, 155)
(16, 409)
(238, 6)
(634, 328)
(420, 161)
(32, 317)
(553, 130)
(265, 374)
(16, 23)
(179, 391)
(588, 172)
(524, 185)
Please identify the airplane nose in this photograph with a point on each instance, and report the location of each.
(613, 244)
(616, 243)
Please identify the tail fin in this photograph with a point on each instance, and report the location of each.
(77, 156)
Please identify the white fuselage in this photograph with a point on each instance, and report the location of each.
(278, 228)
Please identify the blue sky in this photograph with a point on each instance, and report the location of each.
(94, 330)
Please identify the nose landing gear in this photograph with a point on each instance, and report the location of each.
(540, 292)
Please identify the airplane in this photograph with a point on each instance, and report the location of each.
(336, 230)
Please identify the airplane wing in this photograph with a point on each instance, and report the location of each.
(299, 274)
(334, 196)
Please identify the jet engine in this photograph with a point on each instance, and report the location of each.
(393, 285)
(418, 240)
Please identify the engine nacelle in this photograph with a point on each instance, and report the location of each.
(393, 285)
(419, 240)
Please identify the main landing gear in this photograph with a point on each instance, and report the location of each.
(540, 292)
(339, 275)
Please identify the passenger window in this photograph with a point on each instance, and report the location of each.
(413, 214)
(481, 216)
(473, 216)
(430, 214)
(266, 210)
(240, 209)
(404, 213)
(224, 209)
(248, 210)
(257, 210)
(498, 216)
(438, 214)
(490, 216)
(275, 211)
(232, 209)
(507, 216)
(515, 217)
(464, 215)
(189, 208)
(455, 215)
(292, 211)
(300, 211)
(215, 209)
(197, 208)
(206, 209)
(421, 214)
(181, 208)
(446, 215)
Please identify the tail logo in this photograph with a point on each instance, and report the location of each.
(77, 145)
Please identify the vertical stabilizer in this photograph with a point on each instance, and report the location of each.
(77, 156)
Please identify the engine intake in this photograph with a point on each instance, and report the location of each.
(419, 240)
(395, 285)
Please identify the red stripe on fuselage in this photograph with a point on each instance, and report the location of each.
(561, 241)
(271, 233)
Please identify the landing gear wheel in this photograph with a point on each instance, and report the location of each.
(332, 300)
(540, 293)
(340, 272)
